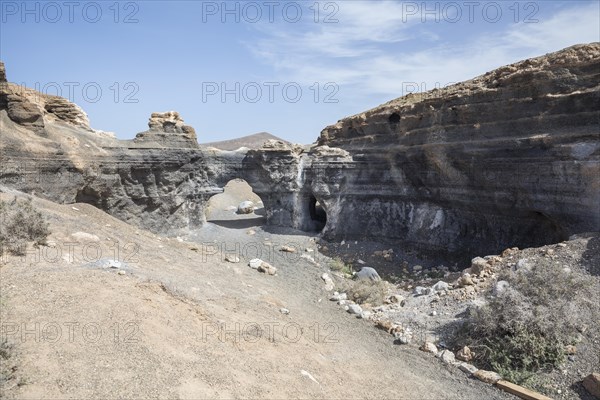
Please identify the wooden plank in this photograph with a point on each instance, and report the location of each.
(520, 391)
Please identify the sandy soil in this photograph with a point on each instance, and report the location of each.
(180, 322)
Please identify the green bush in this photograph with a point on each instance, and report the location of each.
(21, 223)
(526, 327)
(337, 264)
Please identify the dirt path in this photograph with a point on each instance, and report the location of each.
(183, 323)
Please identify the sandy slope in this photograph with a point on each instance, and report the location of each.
(154, 332)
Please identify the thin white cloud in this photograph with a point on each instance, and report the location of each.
(372, 49)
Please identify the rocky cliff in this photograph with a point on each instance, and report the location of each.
(510, 158)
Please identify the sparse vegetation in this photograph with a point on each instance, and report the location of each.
(366, 291)
(337, 264)
(526, 327)
(21, 223)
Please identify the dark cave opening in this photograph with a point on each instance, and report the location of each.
(317, 213)
(394, 118)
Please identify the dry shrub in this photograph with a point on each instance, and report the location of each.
(21, 223)
(526, 327)
(366, 291)
(337, 264)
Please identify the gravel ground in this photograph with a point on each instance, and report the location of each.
(175, 320)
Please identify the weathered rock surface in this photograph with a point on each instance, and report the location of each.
(508, 158)
(167, 129)
(2, 72)
(33, 109)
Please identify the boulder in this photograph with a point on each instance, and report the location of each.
(355, 309)
(440, 286)
(447, 356)
(464, 354)
(490, 377)
(429, 348)
(245, 207)
(467, 368)
(367, 273)
(478, 265)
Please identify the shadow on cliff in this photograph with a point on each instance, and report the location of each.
(591, 256)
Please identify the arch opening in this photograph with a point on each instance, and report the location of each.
(317, 213)
(238, 207)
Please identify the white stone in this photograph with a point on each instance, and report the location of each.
(440, 286)
(355, 309)
(467, 368)
(447, 356)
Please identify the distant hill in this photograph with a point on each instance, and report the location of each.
(251, 141)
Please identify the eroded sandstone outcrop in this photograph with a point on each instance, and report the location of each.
(169, 130)
(508, 158)
(33, 109)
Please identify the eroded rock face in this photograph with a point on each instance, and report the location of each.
(32, 109)
(2, 72)
(167, 129)
(510, 158)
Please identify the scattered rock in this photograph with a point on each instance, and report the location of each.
(232, 258)
(467, 368)
(421, 291)
(464, 354)
(403, 337)
(465, 280)
(245, 207)
(255, 263)
(267, 268)
(440, 286)
(396, 299)
(367, 273)
(262, 266)
(417, 268)
(478, 265)
(429, 348)
(447, 356)
(329, 285)
(487, 376)
(366, 315)
(287, 249)
(355, 309)
(523, 264)
(500, 287)
(338, 296)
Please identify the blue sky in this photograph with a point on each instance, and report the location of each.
(289, 71)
